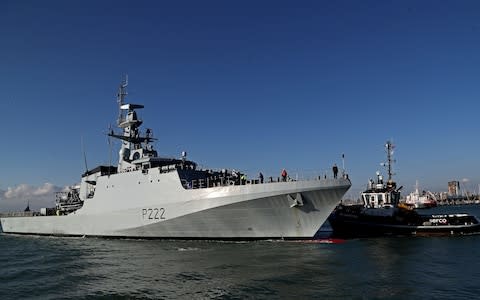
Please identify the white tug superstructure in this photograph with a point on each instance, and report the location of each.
(148, 196)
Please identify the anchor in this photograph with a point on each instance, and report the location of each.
(295, 202)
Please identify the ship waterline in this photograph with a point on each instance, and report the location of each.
(148, 196)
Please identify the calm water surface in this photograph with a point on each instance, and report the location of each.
(393, 268)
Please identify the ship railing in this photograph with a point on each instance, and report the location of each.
(19, 214)
(167, 168)
(69, 206)
(209, 182)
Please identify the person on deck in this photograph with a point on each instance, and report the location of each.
(284, 175)
(243, 179)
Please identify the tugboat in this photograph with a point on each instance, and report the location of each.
(382, 214)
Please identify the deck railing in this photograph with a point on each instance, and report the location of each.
(232, 180)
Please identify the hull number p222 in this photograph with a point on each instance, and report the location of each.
(153, 213)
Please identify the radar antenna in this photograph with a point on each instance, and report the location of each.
(84, 154)
(121, 95)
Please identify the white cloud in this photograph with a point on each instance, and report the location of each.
(25, 190)
(16, 198)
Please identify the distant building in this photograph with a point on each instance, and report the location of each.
(454, 188)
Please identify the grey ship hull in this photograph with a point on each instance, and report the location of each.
(260, 211)
(264, 218)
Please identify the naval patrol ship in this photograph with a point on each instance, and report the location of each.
(149, 196)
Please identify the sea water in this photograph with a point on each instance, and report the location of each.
(377, 268)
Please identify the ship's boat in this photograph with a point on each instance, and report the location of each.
(150, 196)
(381, 214)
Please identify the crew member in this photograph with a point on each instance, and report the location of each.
(284, 175)
(335, 170)
(243, 178)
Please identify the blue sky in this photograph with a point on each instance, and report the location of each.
(251, 85)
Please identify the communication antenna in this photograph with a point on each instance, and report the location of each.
(110, 149)
(84, 154)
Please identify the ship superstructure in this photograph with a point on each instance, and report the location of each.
(150, 196)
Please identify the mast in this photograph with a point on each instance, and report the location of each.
(134, 145)
(389, 148)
